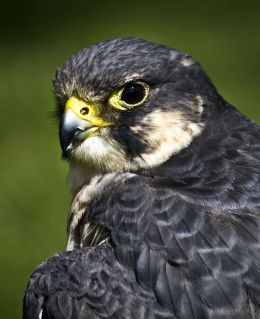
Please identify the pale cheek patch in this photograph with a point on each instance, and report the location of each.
(167, 134)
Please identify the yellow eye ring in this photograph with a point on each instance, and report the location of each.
(132, 94)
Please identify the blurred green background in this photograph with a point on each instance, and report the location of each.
(38, 37)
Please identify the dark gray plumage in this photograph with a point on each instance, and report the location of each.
(164, 221)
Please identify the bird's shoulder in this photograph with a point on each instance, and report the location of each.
(204, 254)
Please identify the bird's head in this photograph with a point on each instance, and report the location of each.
(127, 104)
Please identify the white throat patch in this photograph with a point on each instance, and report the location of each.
(100, 153)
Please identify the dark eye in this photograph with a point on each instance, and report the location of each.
(133, 93)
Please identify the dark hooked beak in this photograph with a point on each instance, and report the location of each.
(81, 120)
(72, 131)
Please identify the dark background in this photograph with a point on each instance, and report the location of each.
(38, 37)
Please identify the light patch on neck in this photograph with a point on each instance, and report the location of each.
(167, 133)
(102, 154)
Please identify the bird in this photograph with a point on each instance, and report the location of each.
(165, 180)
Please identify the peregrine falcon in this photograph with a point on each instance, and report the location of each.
(165, 179)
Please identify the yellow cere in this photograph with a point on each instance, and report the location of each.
(116, 101)
(88, 111)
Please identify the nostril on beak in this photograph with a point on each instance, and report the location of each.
(84, 111)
